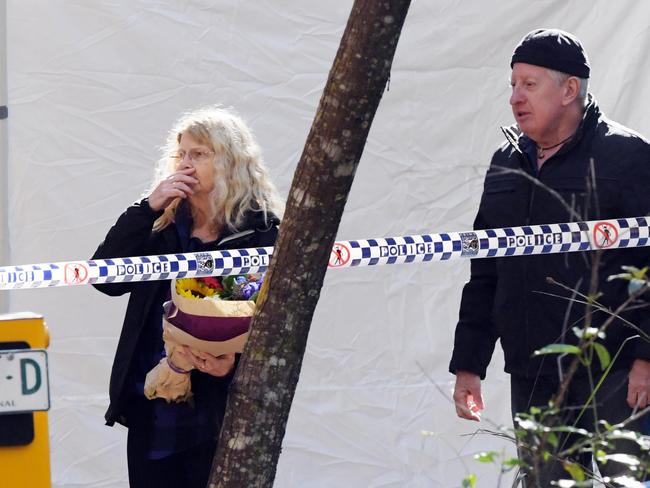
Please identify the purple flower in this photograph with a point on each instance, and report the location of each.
(247, 291)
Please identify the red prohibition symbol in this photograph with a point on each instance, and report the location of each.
(75, 273)
(605, 235)
(339, 256)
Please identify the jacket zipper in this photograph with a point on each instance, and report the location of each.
(238, 235)
(523, 159)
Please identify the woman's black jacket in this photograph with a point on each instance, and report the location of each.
(132, 236)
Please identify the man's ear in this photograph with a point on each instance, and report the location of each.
(571, 90)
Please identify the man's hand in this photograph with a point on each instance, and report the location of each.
(638, 385)
(467, 396)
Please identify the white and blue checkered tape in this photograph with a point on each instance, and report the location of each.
(509, 241)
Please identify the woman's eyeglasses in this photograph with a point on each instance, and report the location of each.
(192, 155)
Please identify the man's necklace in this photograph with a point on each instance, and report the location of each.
(540, 150)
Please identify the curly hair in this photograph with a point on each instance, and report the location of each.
(241, 182)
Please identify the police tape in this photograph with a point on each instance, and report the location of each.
(489, 243)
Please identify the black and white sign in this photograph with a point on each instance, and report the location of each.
(24, 385)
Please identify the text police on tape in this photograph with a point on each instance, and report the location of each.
(17, 277)
(405, 249)
(250, 261)
(142, 268)
(535, 240)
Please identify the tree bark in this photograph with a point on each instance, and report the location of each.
(265, 383)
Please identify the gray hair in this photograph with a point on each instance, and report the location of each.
(561, 77)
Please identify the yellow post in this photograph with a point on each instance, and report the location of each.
(24, 437)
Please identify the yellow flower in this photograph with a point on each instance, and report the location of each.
(191, 288)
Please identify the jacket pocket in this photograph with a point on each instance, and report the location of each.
(501, 204)
(499, 184)
(571, 184)
(593, 199)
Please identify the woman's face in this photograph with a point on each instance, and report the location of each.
(193, 154)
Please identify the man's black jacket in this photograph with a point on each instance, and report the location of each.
(132, 236)
(603, 172)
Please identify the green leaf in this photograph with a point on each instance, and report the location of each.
(630, 269)
(566, 483)
(511, 462)
(593, 297)
(486, 456)
(552, 439)
(228, 283)
(520, 434)
(575, 470)
(617, 434)
(637, 273)
(558, 349)
(606, 424)
(469, 481)
(620, 276)
(603, 355)
(573, 430)
(623, 459)
(588, 332)
(529, 425)
(600, 455)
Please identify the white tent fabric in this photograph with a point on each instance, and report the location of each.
(4, 174)
(94, 86)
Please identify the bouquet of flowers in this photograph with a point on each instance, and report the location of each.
(211, 315)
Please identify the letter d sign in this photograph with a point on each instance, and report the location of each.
(26, 364)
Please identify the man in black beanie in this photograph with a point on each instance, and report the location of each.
(562, 161)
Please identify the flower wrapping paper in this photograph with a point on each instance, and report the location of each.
(207, 325)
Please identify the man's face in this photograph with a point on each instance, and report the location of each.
(536, 101)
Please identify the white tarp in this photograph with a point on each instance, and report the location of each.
(4, 174)
(94, 86)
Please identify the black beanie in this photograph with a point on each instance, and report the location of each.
(554, 49)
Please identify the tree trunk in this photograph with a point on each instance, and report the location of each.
(265, 383)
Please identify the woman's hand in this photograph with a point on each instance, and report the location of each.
(176, 185)
(207, 363)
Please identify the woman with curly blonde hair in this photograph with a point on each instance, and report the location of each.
(211, 191)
